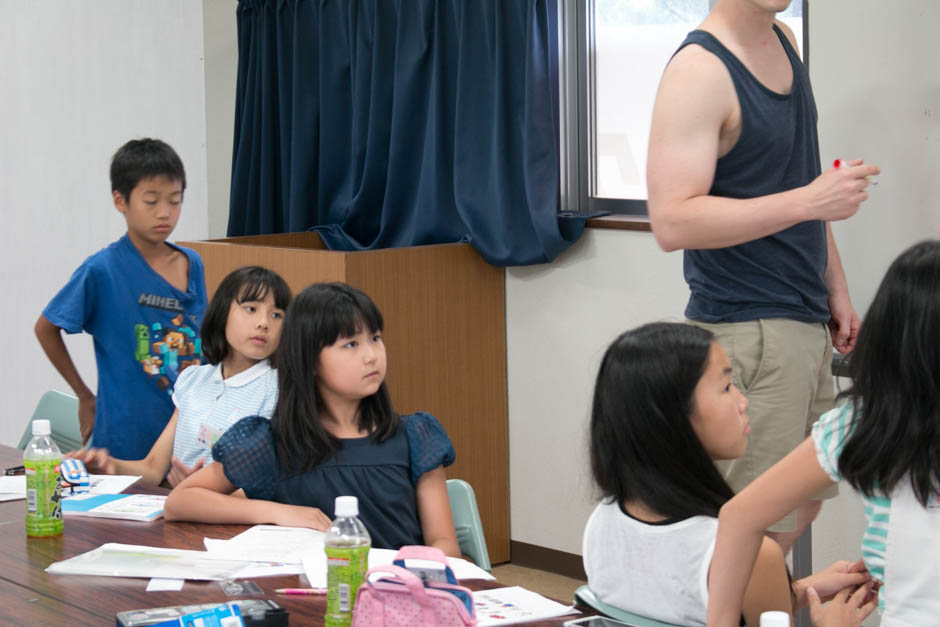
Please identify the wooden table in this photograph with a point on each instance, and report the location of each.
(30, 596)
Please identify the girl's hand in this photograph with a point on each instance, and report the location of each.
(829, 581)
(179, 470)
(96, 460)
(301, 516)
(843, 610)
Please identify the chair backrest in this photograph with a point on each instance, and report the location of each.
(463, 507)
(61, 410)
(585, 595)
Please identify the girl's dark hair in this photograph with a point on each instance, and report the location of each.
(642, 443)
(895, 391)
(321, 314)
(249, 283)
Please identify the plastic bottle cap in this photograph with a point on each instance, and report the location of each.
(346, 506)
(41, 427)
(774, 619)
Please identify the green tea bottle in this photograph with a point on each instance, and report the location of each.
(42, 460)
(347, 560)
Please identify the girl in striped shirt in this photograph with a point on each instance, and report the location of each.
(884, 441)
(240, 331)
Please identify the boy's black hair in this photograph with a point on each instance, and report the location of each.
(319, 315)
(139, 159)
(642, 444)
(248, 283)
(895, 391)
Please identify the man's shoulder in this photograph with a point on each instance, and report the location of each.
(696, 86)
(695, 67)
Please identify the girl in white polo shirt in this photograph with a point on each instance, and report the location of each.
(240, 331)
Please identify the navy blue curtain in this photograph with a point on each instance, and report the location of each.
(386, 123)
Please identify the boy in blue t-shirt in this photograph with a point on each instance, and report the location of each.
(141, 299)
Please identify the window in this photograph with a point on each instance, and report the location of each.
(612, 55)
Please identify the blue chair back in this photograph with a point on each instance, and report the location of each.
(61, 410)
(463, 507)
(586, 596)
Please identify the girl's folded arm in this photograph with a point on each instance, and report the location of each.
(206, 496)
(437, 524)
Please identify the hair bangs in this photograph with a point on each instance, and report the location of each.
(255, 288)
(349, 316)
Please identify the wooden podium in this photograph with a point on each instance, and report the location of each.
(445, 331)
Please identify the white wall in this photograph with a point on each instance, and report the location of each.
(560, 319)
(79, 79)
(877, 88)
(221, 65)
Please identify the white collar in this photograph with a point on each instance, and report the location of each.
(244, 377)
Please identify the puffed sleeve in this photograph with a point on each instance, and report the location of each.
(428, 444)
(829, 435)
(246, 452)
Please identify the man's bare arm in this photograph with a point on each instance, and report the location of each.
(844, 322)
(695, 102)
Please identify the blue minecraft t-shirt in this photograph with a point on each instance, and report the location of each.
(145, 333)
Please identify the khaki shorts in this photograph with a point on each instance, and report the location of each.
(784, 369)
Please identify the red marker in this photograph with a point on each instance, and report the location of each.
(839, 163)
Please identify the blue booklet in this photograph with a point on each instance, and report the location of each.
(140, 507)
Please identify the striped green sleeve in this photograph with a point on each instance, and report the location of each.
(829, 435)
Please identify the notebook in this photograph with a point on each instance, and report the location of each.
(140, 507)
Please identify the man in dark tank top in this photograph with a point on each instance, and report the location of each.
(735, 182)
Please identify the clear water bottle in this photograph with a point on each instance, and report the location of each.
(347, 560)
(43, 462)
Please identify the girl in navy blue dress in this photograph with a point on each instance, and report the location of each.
(333, 433)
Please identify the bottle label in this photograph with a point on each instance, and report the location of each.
(43, 497)
(346, 571)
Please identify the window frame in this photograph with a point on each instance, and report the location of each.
(577, 112)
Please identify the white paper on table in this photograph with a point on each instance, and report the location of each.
(13, 487)
(314, 561)
(268, 569)
(110, 484)
(128, 560)
(505, 606)
(160, 585)
(268, 543)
